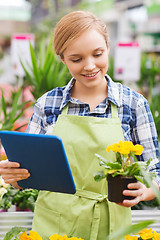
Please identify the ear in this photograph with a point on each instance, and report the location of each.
(62, 59)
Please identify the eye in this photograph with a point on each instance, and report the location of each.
(76, 60)
(98, 54)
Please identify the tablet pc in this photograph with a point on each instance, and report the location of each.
(45, 158)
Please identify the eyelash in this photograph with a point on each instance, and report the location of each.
(78, 60)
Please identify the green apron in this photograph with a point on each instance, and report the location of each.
(88, 213)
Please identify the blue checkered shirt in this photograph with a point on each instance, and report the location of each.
(133, 110)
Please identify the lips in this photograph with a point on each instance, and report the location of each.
(90, 75)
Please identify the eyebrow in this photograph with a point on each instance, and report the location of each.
(77, 55)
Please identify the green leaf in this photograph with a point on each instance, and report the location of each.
(13, 232)
(41, 54)
(98, 176)
(4, 106)
(114, 165)
(129, 230)
(100, 158)
(34, 64)
(14, 105)
(118, 157)
(30, 75)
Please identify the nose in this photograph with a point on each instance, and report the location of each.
(89, 65)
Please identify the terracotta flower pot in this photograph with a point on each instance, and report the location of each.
(116, 185)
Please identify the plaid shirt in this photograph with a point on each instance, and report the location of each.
(133, 110)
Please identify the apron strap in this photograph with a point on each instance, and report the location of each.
(114, 110)
(98, 198)
(65, 110)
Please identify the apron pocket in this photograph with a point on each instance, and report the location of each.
(46, 222)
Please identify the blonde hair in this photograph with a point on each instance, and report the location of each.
(72, 25)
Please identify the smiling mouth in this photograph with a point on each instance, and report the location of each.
(90, 75)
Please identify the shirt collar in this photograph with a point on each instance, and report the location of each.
(114, 95)
(67, 93)
(113, 92)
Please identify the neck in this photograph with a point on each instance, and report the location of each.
(90, 95)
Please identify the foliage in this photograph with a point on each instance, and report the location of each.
(97, 7)
(7, 198)
(155, 109)
(3, 187)
(46, 72)
(129, 230)
(150, 68)
(25, 199)
(9, 115)
(144, 235)
(125, 163)
(14, 232)
(147, 205)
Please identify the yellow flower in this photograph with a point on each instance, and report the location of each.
(57, 237)
(127, 237)
(138, 149)
(146, 234)
(125, 147)
(156, 236)
(23, 236)
(32, 236)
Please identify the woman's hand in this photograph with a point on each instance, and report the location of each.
(140, 192)
(11, 172)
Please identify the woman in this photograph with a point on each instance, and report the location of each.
(90, 113)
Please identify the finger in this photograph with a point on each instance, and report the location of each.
(136, 185)
(133, 193)
(130, 203)
(7, 164)
(5, 171)
(12, 179)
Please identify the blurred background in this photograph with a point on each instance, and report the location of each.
(27, 60)
(29, 67)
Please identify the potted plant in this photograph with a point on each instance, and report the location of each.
(10, 115)
(25, 199)
(6, 196)
(123, 170)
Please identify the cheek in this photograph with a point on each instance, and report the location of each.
(74, 69)
(103, 63)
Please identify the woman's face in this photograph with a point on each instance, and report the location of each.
(87, 59)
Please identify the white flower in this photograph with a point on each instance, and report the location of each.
(2, 192)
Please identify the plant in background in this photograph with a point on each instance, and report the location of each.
(150, 69)
(7, 198)
(155, 109)
(22, 234)
(3, 187)
(46, 72)
(9, 115)
(25, 199)
(145, 234)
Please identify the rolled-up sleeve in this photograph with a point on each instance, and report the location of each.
(37, 121)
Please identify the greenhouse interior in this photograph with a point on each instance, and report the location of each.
(30, 69)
